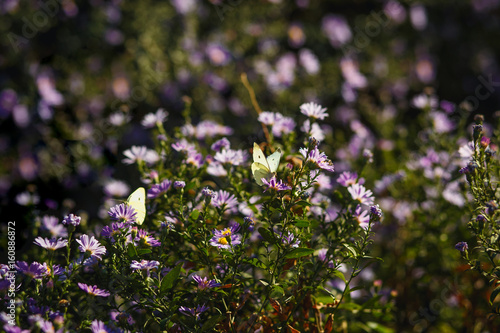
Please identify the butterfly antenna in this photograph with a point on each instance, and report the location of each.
(256, 106)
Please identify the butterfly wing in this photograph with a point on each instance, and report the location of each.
(273, 161)
(137, 200)
(258, 156)
(260, 171)
(260, 167)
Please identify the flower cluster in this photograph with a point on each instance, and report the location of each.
(377, 181)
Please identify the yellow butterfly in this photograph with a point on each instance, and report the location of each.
(137, 201)
(262, 167)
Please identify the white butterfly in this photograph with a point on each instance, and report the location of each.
(262, 167)
(137, 200)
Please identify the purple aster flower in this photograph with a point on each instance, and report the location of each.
(424, 101)
(347, 178)
(485, 141)
(116, 229)
(14, 329)
(322, 181)
(26, 199)
(184, 6)
(219, 144)
(376, 213)
(226, 238)
(144, 265)
(368, 155)
(93, 290)
(218, 55)
(462, 246)
(225, 201)
(99, 327)
(91, 246)
(317, 158)
(283, 125)
(336, 29)
(362, 217)
(351, 73)
(183, 146)
(289, 240)
(118, 119)
(447, 106)
(216, 169)
(46, 326)
(250, 222)
(204, 283)
(194, 158)
(466, 151)
(122, 213)
(453, 195)
(72, 219)
(116, 188)
(144, 239)
(52, 225)
(50, 244)
(230, 156)
(313, 130)
(464, 170)
(441, 122)
(309, 61)
(322, 254)
(34, 270)
(208, 193)
(275, 185)
(322, 257)
(192, 312)
(139, 154)
(179, 184)
(210, 129)
(159, 189)
(152, 119)
(360, 193)
(56, 270)
(313, 110)
(8, 100)
(268, 118)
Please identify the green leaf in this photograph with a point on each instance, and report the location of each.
(168, 280)
(190, 186)
(132, 251)
(194, 215)
(350, 306)
(379, 328)
(351, 249)
(255, 262)
(301, 223)
(140, 252)
(277, 292)
(264, 282)
(339, 274)
(299, 252)
(494, 294)
(303, 203)
(267, 235)
(356, 288)
(338, 196)
(210, 323)
(325, 299)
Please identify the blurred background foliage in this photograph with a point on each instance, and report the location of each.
(76, 78)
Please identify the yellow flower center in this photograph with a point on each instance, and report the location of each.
(223, 241)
